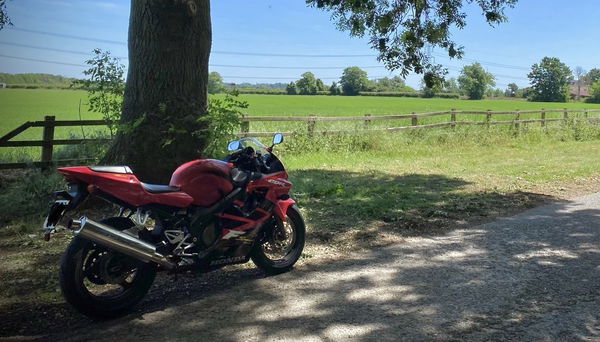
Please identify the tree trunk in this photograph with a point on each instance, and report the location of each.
(166, 89)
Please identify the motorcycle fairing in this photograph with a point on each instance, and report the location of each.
(125, 187)
(279, 187)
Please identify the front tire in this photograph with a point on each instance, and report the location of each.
(282, 246)
(101, 283)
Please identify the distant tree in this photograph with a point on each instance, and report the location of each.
(579, 75)
(403, 31)
(594, 92)
(549, 80)
(436, 82)
(474, 81)
(491, 92)
(292, 89)
(321, 86)
(307, 84)
(215, 83)
(592, 76)
(395, 83)
(353, 80)
(335, 89)
(511, 90)
(451, 86)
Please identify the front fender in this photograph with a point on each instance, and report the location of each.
(282, 206)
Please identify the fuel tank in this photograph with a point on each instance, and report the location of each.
(205, 180)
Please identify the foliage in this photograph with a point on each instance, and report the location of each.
(451, 86)
(404, 31)
(592, 76)
(307, 84)
(215, 83)
(29, 195)
(292, 89)
(549, 80)
(105, 86)
(394, 84)
(223, 120)
(594, 92)
(335, 89)
(353, 80)
(35, 79)
(321, 86)
(277, 85)
(4, 19)
(432, 84)
(511, 90)
(262, 91)
(474, 81)
(88, 149)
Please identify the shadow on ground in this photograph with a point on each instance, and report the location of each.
(357, 207)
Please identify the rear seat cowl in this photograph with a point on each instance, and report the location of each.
(111, 169)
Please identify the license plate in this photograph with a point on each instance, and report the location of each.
(57, 210)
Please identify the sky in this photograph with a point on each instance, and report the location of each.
(253, 39)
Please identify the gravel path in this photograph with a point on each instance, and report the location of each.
(531, 277)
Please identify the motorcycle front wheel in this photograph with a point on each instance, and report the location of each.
(101, 283)
(281, 247)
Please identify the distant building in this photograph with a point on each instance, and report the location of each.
(576, 90)
(2, 85)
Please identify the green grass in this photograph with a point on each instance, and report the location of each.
(20, 105)
(414, 184)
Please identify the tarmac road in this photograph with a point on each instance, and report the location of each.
(531, 277)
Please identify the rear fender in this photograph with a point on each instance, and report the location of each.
(282, 206)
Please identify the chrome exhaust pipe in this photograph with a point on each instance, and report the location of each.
(119, 241)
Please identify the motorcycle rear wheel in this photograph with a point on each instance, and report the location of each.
(283, 245)
(100, 283)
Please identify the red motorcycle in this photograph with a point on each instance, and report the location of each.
(213, 213)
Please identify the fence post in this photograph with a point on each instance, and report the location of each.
(566, 114)
(543, 122)
(585, 113)
(488, 117)
(453, 118)
(367, 121)
(310, 125)
(414, 119)
(517, 119)
(244, 126)
(47, 137)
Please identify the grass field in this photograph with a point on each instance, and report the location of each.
(20, 105)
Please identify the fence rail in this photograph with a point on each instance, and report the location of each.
(452, 122)
(49, 123)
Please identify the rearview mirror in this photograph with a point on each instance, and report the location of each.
(277, 138)
(233, 145)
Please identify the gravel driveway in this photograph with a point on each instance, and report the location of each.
(531, 277)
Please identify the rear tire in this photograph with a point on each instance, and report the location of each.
(293, 232)
(86, 262)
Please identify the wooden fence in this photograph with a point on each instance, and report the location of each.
(49, 123)
(515, 120)
(48, 142)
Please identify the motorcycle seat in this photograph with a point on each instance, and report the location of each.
(159, 189)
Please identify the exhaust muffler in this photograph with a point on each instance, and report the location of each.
(119, 241)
